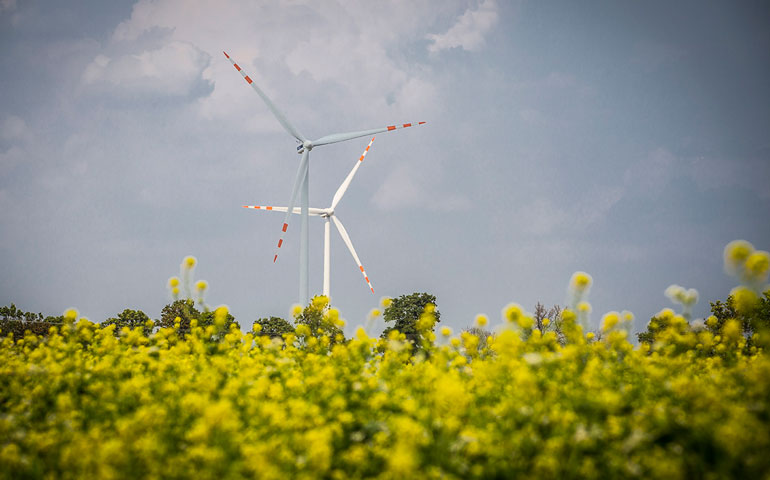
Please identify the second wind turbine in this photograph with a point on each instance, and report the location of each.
(301, 181)
(329, 216)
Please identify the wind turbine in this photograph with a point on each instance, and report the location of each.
(302, 179)
(328, 215)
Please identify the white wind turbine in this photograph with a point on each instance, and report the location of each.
(328, 215)
(302, 179)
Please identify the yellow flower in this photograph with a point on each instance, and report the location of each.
(735, 254)
(446, 331)
(70, 314)
(296, 311)
(374, 313)
(320, 301)
(173, 282)
(385, 302)
(175, 291)
(609, 320)
(744, 298)
(189, 262)
(512, 312)
(580, 281)
(584, 307)
(758, 265)
(220, 315)
(481, 320)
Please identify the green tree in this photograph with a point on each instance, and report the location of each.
(321, 319)
(184, 310)
(274, 327)
(131, 319)
(14, 321)
(755, 320)
(404, 312)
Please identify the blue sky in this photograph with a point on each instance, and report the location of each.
(625, 139)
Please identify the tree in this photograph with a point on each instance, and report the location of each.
(185, 310)
(755, 319)
(549, 320)
(14, 321)
(321, 319)
(274, 327)
(131, 319)
(404, 312)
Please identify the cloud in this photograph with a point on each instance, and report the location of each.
(14, 129)
(404, 188)
(543, 217)
(652, 173)
(173, 70)
(469, 30)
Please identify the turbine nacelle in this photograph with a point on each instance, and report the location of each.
(307, 145)
(327, 212)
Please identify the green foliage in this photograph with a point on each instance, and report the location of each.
(130, 319)
(320, 320)
(185, 311)
(524, 406)
(754, 319)
(15, 322)
(273, 327)
(405, 311)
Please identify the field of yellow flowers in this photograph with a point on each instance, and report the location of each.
(86, 403)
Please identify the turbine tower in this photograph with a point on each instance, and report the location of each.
(301, 182)
(329, 216)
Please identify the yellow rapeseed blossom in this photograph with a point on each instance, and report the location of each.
(580, 281)
(584, 307)
(481, 320)
(189, 262)
(203, 402)
(385, 302)
(512, 312)
(757, 266)
(296, 310)
(320, 301)
(609, 321)
(735, 255)
(745, 299)
(173, 282)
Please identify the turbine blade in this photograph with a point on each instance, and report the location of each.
(316, 212)
(277, 113)
(345, 238)
(301, 172)
(341, 137)
(346, 183)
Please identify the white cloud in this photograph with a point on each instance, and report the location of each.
(652, 173)
(14, 129)
(308, 57)
(469, 30)
(544, 217)
(403, 188)
(174, 69)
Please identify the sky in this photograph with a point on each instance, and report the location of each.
(629, 140)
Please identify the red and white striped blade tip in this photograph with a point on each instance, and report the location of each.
(404, 125)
